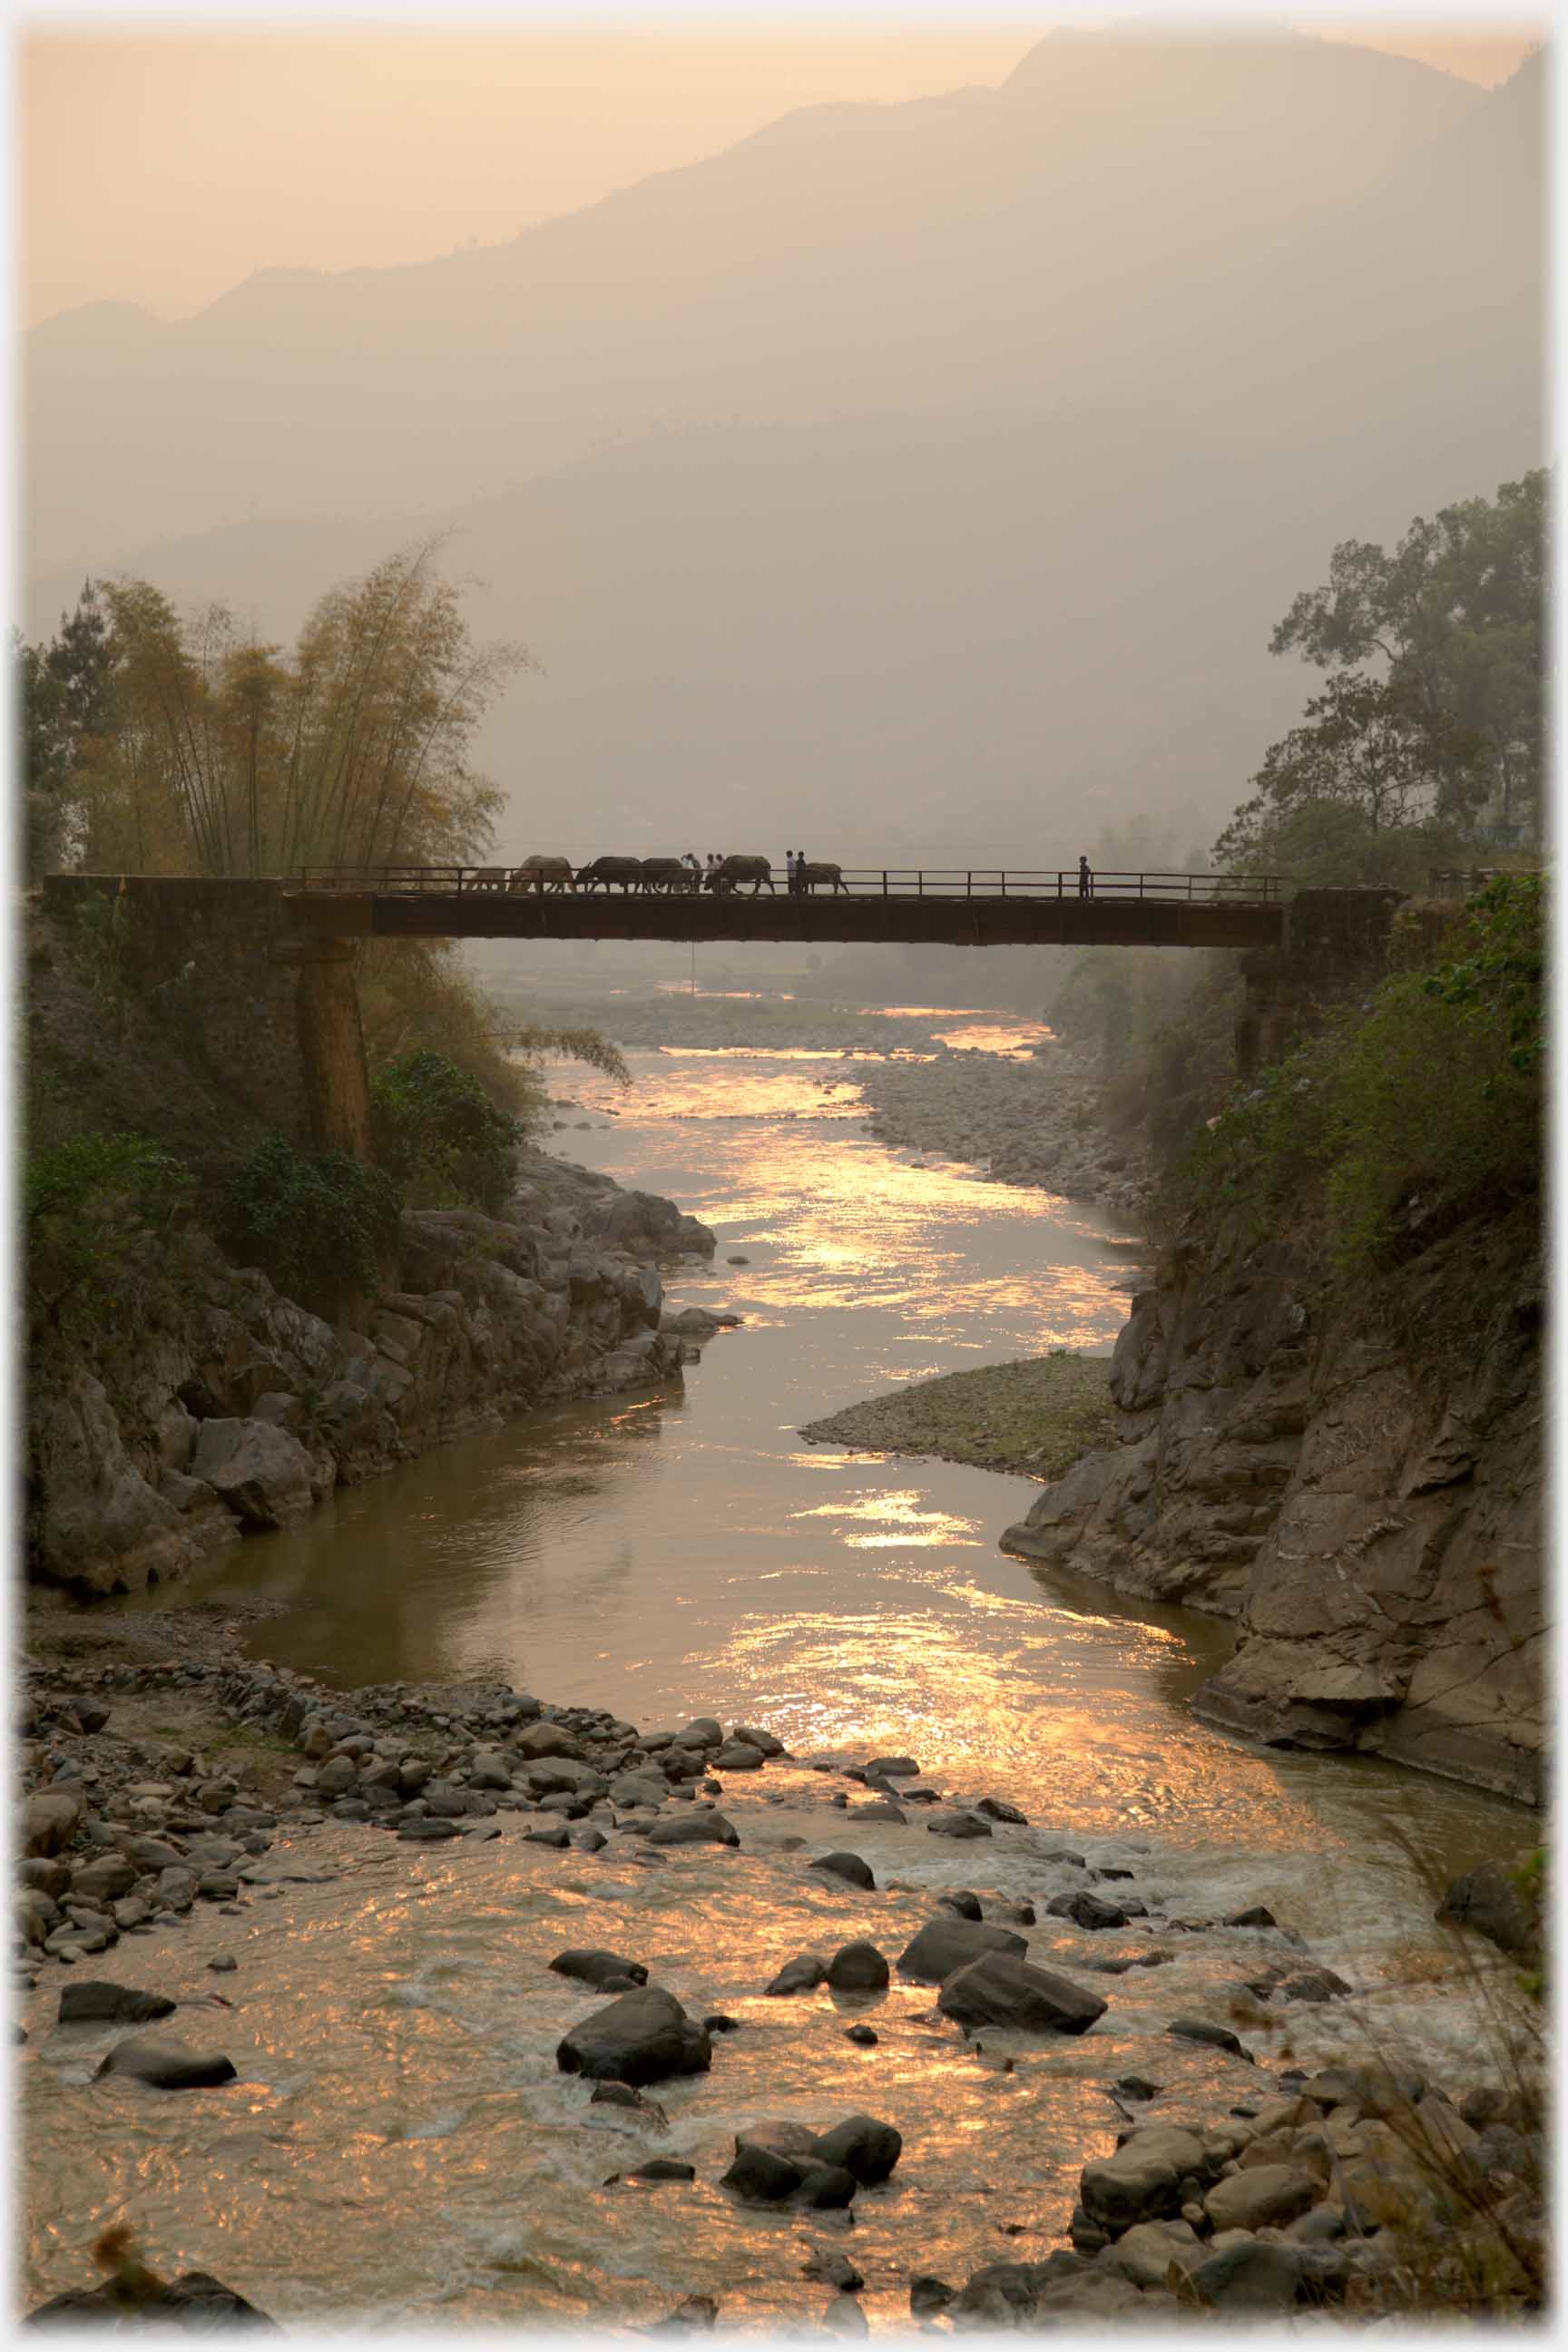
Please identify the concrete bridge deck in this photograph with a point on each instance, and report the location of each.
(903, 908)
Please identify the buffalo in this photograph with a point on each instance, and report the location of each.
(609, 871)
(816, 871)
(667, 874)
(732, 871)
(542, 874)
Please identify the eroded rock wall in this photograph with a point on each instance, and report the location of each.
(232, 1408)
(1354, 1475)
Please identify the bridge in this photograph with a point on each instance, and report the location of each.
(908, 906)
(260, 972)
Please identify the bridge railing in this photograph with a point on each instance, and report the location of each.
(880, 881)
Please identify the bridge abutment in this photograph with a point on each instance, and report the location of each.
(273, 1015)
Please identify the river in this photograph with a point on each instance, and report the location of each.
(399, 2145)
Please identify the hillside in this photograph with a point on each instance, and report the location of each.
(950, 450)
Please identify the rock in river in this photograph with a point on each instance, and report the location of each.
(803, 1974)
(943, 1945)
(958, 1825)
(865, 2148)
(643, 2037)
(98, 2003)
(167, 2066)
(603, 1971)
(847, 1866)
(858, 1968)
(693, 1828)
(999, 1990)
(193, 2304)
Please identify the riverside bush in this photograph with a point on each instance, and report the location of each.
(317, 1223)
(438, 1134)
(1401, 1118)
(92, 1206)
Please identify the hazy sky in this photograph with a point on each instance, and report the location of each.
(162, 168)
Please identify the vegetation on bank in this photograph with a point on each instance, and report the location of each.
(1399, 1120)
(1425, 750)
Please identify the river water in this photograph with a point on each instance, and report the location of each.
(399, 2145)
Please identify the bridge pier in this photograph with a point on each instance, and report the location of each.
(334, 1076)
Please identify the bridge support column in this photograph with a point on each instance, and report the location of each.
(332, 1047)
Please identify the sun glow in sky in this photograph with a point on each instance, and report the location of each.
(162, 167)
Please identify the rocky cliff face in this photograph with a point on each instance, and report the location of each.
(1356, 1478)
(235, 1409)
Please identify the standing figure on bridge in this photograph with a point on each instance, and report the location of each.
(1085, 879)
(789, 871)
(800, 873)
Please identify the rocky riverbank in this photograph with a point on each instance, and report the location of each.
(1034, 1417)
(231, 1409)
(1023, 1122)
(1352, 1475)
(179, 1802)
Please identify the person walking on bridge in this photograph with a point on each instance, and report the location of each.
(1085, 879)
(789, 872)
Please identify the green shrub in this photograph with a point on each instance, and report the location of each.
(438, 1133)
(318, 1222)
(92, 1206)
(1398, 1121)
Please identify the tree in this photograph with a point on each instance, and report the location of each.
(1456, 616)
(210, 751)
(1371, 760)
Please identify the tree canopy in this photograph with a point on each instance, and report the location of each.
(1426, 744)
(159, 744)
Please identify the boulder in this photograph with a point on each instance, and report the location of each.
(167, 2066)
(764, 1742)
(735, 1755)
(692, 1829)
(49, 1818)
(1489, 1901)
(965, 1904)
(1086, 1910)
(97, 2002)
(892, 1768)
(1266, 2196)
(863, 2147)
(1218, 2037)
(996, 1808)
(958, 1825)
(644, 2037)
(929, 2294)
(1254, 2276)
(603, 1970)
(259, 1471)
(1144, 2253)
(999, 1990)
(537, 1740)
(1142, 2181)
(847, 1866)
(803, 1974)
(195, 2303)
(858, 1968)
(763, 2175)
(943, 1945)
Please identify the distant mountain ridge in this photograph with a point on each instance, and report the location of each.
(972, 444)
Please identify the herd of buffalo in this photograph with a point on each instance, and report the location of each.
(660, 876)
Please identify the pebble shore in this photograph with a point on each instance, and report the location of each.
(1327, 2190)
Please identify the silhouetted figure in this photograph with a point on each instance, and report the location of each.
(1085, 879)
(789, 871)
(800, 872)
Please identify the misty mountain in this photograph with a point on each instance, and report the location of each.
(1188, 220)
(931, 471)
